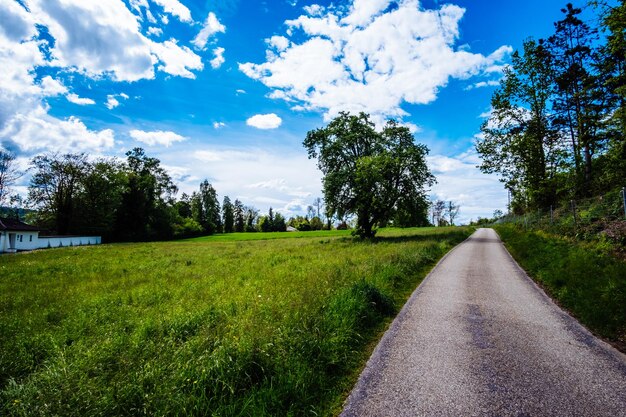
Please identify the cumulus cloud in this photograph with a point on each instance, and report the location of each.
(103, 37)
(52, 87)
(264, 121)
(369, 57)
(157, 137)
(175, 59)
(175, 8)
(38, 131)
(211, 26)
(218, 125)
(74, 98)
(219, 58)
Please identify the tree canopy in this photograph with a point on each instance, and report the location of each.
(368, 173)
(556, 130)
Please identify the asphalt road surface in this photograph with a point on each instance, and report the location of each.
(479, 338)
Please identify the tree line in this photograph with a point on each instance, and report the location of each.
(131, 200)
(558, 121)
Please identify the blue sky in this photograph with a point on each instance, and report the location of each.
(226, 90)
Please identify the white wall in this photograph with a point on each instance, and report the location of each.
(64, 241)
(26, 240)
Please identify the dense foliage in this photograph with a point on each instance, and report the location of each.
(557, 127)
(367, 173)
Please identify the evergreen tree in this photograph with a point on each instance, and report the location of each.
(580, 101)
(239, 214)
(228, 215)
(210, 214)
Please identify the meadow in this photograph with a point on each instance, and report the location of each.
(209, 326)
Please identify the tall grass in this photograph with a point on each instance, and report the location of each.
(273, 327)
(582, 276)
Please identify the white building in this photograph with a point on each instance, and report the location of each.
(16, 235)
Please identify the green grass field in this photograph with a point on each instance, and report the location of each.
(209, 326)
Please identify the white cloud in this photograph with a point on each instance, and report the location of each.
(177, 60)
(371, 58)
(279, 43)
(112, 102)
(219, 58)
(38, 131)
(363, 11)
(482, 84)
(314, 10)
(264, 121)
(175, 8)
(282, 185)
(240, 91)
(211, 26)
(102, 38)
(157, 137)
(73, 98)
(218, 125)
(52, 87)
(155, 31)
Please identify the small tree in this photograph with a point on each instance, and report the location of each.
(453, 211)
(438, 209)
(366, 172)
(8, 174)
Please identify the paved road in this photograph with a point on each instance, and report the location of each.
(478, 338)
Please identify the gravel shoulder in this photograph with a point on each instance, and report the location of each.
(477, 338)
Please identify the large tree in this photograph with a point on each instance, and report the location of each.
(99, 198)
(367, 173)
(144, 211)
(55, 186)
(520, 141)
(580, 100)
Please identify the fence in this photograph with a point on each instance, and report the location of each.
(584, 218)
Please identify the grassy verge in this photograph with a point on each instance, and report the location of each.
(274, 327)
(581, 276)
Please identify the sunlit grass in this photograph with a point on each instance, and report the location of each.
(203, 327)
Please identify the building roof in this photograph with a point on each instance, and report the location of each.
(16, 225)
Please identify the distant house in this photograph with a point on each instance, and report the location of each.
(16, 235)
